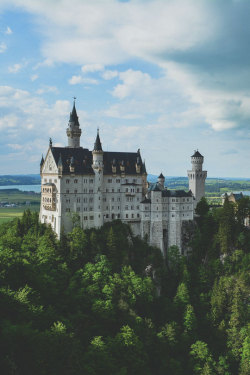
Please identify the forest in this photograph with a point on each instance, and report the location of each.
(102, 301)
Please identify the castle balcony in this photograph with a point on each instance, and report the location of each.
(48, 196)
(130, 194)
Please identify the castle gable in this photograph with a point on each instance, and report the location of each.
(49, 165)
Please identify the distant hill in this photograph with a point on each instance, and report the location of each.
(31, 179)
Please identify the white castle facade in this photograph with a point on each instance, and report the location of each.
(100, 186)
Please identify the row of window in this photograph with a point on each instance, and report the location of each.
(131, 207)
(85, 180)
(50, 181)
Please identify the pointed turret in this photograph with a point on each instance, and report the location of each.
(41, 164)
(98, 144)
(73, 131)
(97, 154)
(42, 161)
(73, 118)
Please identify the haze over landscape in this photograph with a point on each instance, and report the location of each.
(167, 77)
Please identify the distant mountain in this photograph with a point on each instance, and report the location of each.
(31, 179)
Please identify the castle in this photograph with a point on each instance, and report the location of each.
(100, 186)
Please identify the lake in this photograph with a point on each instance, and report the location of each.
(35, 188)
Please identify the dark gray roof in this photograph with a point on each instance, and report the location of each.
(154, 187)
(146, 200)
(237, 196)
(83, 160)
(161, 176)
(97, 145)
(176, 193)
(42, 161)
(197, 155)
(73, 116)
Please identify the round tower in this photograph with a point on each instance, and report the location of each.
(73, 130)
(197, 177)
(98, 170)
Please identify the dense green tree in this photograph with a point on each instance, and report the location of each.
(101, 301)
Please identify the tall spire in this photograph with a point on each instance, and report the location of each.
(73, 115)
(73, 131)
(97, 145)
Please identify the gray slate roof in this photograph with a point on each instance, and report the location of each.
(197, 155)
(83, 160)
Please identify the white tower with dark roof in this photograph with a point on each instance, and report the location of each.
(73, 130)
(197, 177)
(98, 185)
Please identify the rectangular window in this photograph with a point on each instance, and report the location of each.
(118, 181)
(67, 181)
(75, 191)
(67, 191)
(78, 209)
(109, 180)
(91, 181)
(75, 181)
(91, 217)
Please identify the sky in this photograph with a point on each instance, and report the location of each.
(166, 76)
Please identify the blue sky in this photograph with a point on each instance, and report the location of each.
(165, 76)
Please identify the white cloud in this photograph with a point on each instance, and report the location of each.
(15, 146)
(46, 89)
(8, 31)
(3, 47)
(15, 68)
(74, 80)
(91, 68)
(34, 77)
(109, 74)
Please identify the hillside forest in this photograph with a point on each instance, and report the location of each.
(102, 301)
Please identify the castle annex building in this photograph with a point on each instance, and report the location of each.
(101, 186)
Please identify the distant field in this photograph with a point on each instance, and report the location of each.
(24, 199)
(7, 214)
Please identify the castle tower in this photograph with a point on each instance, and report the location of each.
(98, 169)
(73, 130)
(161, 181)
(197, 177)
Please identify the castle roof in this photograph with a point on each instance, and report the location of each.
(98, 145)
(146, 200)
(73, 116)
(83, 160)
(197, 155)
(161, 176)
